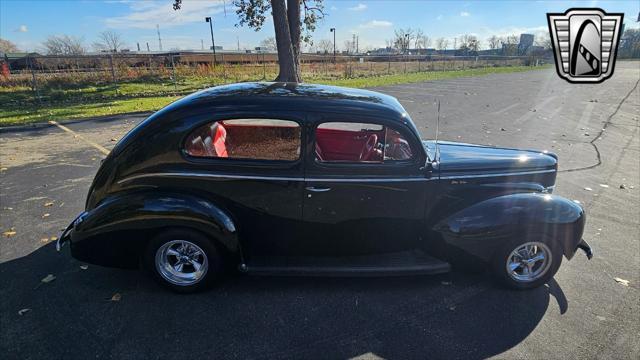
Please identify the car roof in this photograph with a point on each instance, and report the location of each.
(302, 96)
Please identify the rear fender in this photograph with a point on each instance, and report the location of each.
(480, 229)
(115, 232)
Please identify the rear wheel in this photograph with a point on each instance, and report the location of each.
(183, 260)
(527, 264)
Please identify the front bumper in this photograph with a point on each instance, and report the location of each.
(66, 234)
(584, 246)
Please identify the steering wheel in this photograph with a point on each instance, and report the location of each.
(369, 147)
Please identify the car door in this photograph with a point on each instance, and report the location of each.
(365, 187)
(252, 167)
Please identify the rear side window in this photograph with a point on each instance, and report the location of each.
(360, 143)
(252, 139)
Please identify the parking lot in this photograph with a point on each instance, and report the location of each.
(584, 312)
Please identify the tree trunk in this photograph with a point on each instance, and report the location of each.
(293, 16)
(287, 60)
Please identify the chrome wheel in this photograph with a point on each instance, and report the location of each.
(529, 261)
(181, 262)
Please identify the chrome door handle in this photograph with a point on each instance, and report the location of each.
(318, 189)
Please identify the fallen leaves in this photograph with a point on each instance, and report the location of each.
(46, 215)
(116, 297)
(48, 204)
(84, 267)
(588, 189)
(9, 233)
(621, 281)
(604, 185)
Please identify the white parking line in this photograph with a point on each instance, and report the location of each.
(99, 147)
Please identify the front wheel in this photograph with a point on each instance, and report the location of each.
(183, 260)
(527, 264)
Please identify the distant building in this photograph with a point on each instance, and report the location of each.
(383, 51)
(526, 41)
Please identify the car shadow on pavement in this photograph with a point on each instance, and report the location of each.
(77, 315)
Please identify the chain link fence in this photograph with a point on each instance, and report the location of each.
(69, 78)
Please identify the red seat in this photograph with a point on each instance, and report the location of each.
(219, 135)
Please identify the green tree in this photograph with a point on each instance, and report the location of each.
(290, 18)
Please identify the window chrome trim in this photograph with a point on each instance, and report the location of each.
(316, 179)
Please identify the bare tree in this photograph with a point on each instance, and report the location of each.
(64, 45)
(510, 45)
(494, 42)
(289, 17)
(389, 43)
(7, 46)
(109, 41)
(469, 44)
(325, 46)
(402, 39)
(349, 46)
(422, 41)
(442, 43)
(268, 44)
(543, 40)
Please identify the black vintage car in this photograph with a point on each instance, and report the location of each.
(300, 179)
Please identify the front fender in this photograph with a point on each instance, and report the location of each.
(480, 229)
(116, 231)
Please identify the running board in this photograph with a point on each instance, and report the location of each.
(392, 264)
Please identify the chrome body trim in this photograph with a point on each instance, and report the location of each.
(283, 178)
(497, 174)
(271, 178)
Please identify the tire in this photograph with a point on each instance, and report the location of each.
(183, 260)
(538, 274)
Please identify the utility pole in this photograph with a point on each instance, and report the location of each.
(213, 42)
(333, 30)
(159, 39)
(138, 46)
(238, 40)
(148, 46)
(357, 44)
(406, 43)
(202, 44)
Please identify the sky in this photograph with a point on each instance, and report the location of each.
(28, 23)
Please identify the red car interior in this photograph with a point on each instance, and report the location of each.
(225, 139)
(347, 145)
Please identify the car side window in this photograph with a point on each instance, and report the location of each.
(252, 139)
(360, 143)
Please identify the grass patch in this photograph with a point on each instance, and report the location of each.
(74, 111)
(19, 106)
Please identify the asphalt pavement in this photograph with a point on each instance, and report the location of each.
(95, 312)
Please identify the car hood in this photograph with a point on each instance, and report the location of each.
(458, 159)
